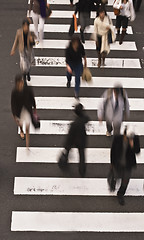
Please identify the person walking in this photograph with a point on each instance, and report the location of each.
(23, 105)
(123, 160)
(102, 27)
(126, 13)
(76, 138)
(84, 8)
(137, 4)
(74, 54)
(24, 40)
(114, 107)
(38, 16)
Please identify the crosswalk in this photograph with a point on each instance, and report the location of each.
(49, 82)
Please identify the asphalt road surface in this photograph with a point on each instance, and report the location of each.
(37, 200)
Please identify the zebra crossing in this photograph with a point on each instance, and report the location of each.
(52, 95)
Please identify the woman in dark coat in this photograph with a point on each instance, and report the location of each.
(22, 105)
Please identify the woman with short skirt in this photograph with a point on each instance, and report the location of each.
(126, 13)
(102, 25)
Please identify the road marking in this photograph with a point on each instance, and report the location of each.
(51, 154)
(67, 2)
(101, 82)
(68, 14)
(72, 186)
(91, 62)
(61, 127)
(64, 28)
(136, 104)
(77, 222)
(62, 44)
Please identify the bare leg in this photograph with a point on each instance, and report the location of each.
(27, 136)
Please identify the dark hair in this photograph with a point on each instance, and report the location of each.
(123, 1)
(101, 9)
(118, 90)
(18, 78)
(78, 109)
(75, 38)
(25, 21)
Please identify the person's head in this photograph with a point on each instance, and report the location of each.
(19, 83)
(75, 42)
(129, 132)
(124, 1)
(25, 25)
(78, 109)
(118, 89)
(101, 12)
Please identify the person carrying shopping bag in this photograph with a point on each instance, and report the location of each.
(74, 54)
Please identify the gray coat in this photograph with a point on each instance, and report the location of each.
(107, 109)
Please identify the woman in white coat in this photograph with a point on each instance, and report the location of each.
(126, 13)
(102, 25)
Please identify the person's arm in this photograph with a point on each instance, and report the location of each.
(132, 11)
(15, 44)
(102, 106)
(68, 61)
(135, 144)
(126, 105)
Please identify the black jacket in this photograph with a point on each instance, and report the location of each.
(77, 133)
(86, 5)
(116, 152)
(74, 58)
(22, 99)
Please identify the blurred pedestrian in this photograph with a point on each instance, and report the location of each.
(84, 8)
(113, 108)
(74, 54)
(102, 27)
(137, 4)
(126, 13)
(22, 105)
(123, 160)
(38, 16)
(76, 138)
(24, 40)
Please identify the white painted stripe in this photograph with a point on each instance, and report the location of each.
(50, 155)
(64, 28)
(68, 14)
(77, 222)
(102, 82)
(62, 44)
(56, 127)
(72, 186)
(136, 104)
(91, 62)
(67, 2)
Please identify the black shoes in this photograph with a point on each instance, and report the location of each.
(121, 199)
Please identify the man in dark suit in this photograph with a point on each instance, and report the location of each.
(76, 138)
(123, 160)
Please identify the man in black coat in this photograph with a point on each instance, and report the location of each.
(123, 159)
(77, 138)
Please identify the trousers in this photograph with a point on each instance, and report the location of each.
(38, 19)
(77, 69)
(82, 164)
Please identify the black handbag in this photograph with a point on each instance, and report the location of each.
(35, 120)
(111, 180)
(48, 12)
(62, 161)
(110, 37)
